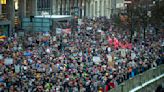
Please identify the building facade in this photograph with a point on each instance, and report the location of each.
(89, 8)
(81, 8)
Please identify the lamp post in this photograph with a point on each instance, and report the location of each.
(158, 6)
(145, 19)
(131, 19)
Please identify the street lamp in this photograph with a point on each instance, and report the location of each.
(131, 16)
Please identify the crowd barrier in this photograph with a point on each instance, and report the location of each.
(139, 79)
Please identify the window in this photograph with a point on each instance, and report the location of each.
(105, 8)
(96, 8)
(44, 5)
(100, 8)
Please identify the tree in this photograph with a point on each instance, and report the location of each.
(158, 12)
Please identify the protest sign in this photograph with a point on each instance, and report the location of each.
(67, 31)
(89, 28)
(58, 30)
(79, 21)
(96, 59)
(1, 56)
(99, 30)
(65, 40)
(123, 52)
(109, 58)
(54, 38)
(133, 55)
(27, 54)
(8, 61)
(46, 34)
(17, 68)
(48, 50)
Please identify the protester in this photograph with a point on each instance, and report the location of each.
(96, 57)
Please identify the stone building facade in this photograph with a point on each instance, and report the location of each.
(81, 8)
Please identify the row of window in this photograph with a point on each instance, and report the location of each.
(43, 5)
(46, 4)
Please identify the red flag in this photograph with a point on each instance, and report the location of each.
(110, 40)
(122, 45)
(67, 31)
(116, 43)
(112, 84)
(129, 45)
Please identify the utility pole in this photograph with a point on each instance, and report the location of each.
(158, 24)
(146, 21)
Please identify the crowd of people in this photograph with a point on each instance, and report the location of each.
(95, 58)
